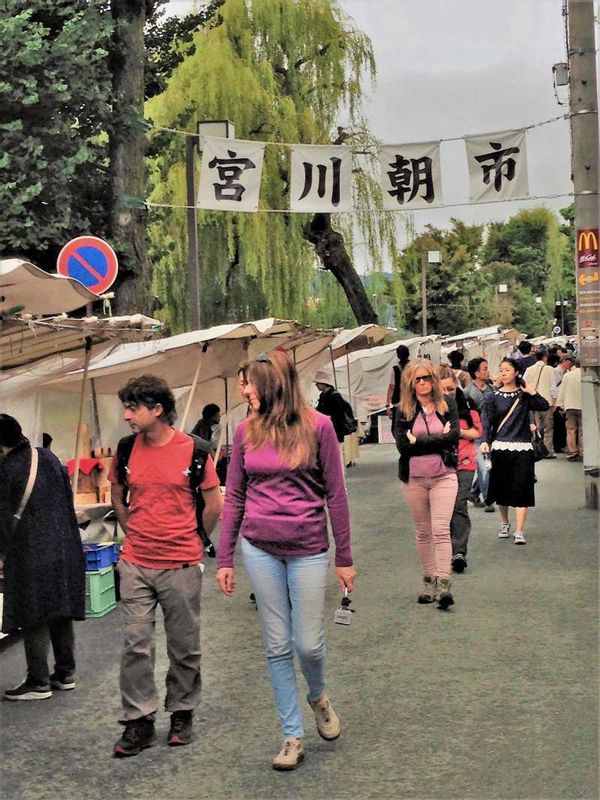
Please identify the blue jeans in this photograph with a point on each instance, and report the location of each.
(290, 597)
(483, 475)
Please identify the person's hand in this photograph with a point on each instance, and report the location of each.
(484, 448)
(226, 580)
(446, 428)
(388, 411)
(533, 427)
(411, 437)
(346, 577)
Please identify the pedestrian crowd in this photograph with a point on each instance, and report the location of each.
(461, 437)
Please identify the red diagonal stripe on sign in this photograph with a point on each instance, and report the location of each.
(87, 266)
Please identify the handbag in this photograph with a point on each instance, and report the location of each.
(540, 451)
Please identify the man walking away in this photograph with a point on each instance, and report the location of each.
(541, 376)
(161, 563)
(569, 400)
(44, 566)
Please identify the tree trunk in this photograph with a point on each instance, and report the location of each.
(332, 253)
(127, 148)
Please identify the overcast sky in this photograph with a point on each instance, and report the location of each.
(447, 68)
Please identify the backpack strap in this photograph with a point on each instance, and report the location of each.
(200, 453)
(33, 469)
(124, 449)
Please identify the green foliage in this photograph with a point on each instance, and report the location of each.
(282, 72)
(54, 90)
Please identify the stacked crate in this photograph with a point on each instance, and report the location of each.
(99, 578)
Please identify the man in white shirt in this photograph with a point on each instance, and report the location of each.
(542, 377)
(569, 399)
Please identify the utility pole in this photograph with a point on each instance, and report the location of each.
(584, 143)
(191, 143)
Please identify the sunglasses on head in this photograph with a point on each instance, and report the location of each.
(423, 378)
(262, 358)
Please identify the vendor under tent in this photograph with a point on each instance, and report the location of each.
(200, 366)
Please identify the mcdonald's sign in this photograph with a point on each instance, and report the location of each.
(587, 248)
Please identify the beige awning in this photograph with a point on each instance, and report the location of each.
(27, 289)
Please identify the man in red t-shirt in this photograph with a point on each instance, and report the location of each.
(161, 564)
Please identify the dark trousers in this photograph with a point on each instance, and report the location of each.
(460, 524)
(59, 633)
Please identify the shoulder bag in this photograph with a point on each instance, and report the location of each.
(28, 488)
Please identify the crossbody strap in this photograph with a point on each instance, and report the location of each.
(508, 416)
(29, 487)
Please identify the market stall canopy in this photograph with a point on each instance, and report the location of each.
(369, 372)
(25, 341)
(218, 351)
(27, 289)
(348, 341)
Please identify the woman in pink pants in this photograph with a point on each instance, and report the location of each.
(427, 433)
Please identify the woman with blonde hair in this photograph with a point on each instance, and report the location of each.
(285, 471)
(427, 433)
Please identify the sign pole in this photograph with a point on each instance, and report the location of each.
(584, 139)
(191, 142)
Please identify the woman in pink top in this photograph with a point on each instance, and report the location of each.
(284, 475)
(470, 430)
(427, 434)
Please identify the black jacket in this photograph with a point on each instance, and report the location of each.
(44, 567)
(444, 444)
(332, 404)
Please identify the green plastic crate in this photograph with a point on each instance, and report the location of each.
(99, 592)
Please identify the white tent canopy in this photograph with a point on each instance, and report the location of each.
(34, 291)
(347, 341)
(370, 370)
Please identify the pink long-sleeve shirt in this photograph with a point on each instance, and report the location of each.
(283, 510)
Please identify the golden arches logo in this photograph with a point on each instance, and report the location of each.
(588, 240)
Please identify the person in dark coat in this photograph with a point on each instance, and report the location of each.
(331, 403)
(44, 565)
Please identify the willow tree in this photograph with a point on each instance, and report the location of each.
(283, 73)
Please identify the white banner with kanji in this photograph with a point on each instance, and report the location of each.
(411, 176)
(497, 166)
(321, 178)
(230, 174)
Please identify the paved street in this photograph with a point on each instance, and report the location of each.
(497, 698)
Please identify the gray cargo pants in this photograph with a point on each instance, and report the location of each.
(178, 593)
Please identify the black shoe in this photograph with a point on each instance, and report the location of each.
(459, 563)
(490, 509)
(64, 683)
(180, 731)
(138, 734)
(477, 502)
(28, 691)
(550, 455)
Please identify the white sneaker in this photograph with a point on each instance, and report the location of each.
(504, 532)
(519, 537)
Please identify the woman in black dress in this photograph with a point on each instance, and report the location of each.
(507, 435)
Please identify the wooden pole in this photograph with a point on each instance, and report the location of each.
(88, 352)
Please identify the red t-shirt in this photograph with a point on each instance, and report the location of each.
(161, 530)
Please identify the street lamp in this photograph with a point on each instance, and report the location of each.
(428, 257)
(210, 127)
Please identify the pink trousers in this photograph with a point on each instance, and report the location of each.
(431, 503)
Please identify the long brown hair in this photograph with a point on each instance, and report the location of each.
(408, 397)
(284, 418)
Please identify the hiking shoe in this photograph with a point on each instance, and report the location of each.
(63, 684)
(459, 563)
(28, 691)
(290, 755)
(445, 599)
(429, 590)
(329, 725)
(138, 734)
(490, 509)
(519, 537)
(504, 532)
(180, 731)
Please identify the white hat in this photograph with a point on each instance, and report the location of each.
(323, 376)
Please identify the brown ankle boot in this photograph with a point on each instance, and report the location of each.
(429, 590)
(445, 599)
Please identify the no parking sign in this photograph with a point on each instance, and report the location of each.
(89, 260)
